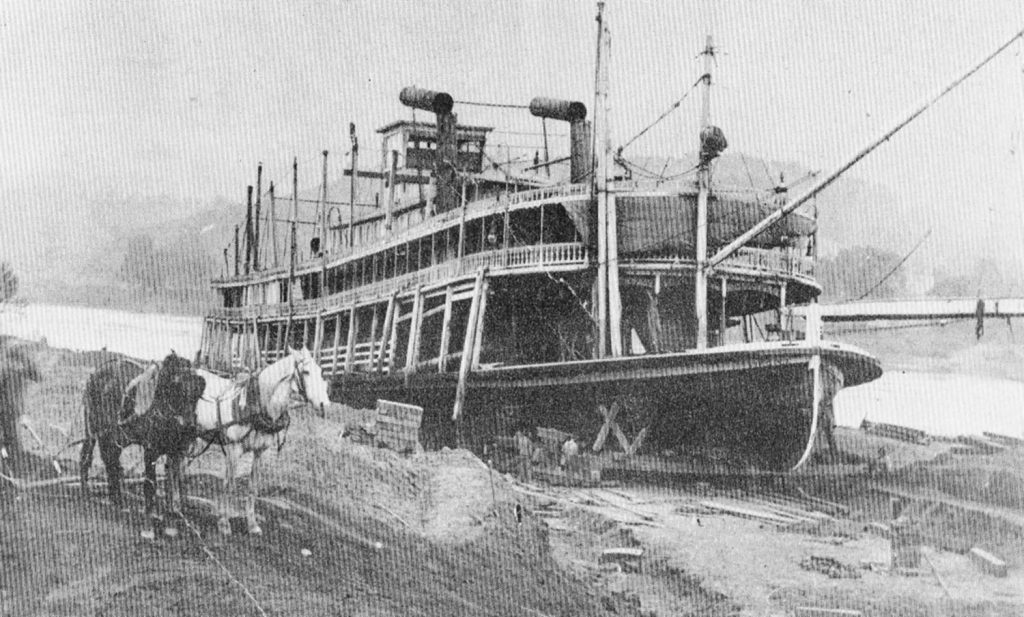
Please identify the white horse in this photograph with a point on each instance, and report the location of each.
(249, 414)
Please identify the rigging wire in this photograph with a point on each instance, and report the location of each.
(501, 105)
(895, 267)
(668, 111)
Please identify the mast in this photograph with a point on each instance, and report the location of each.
(352, 185)
(323, 207)
(256, 227)
(700, 287)
(248, 228)
(597, 189)
(273, 223)
(294, 249)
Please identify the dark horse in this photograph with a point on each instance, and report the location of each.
(153, 407)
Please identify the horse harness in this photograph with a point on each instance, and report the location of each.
(247, 408)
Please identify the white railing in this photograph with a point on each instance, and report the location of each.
(497, 261)
(772, 260)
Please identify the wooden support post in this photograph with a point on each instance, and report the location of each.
(385, 337)
(392, 174)
(412, 354)
(256, 349)
(337, 342)
(445, 331)
(305, 333)
(273, 225)
(478, 339)
(318, 337)
(248, 228)
(614, 297)
(723, 318)
(350, 346)
(374, 322)
(467, 345)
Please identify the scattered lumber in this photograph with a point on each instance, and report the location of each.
(814, 611)
(978, 445)
(829, 507)
(987, 562)
(895, 431)
(749, 513)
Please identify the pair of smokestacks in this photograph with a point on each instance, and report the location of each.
(446, 155)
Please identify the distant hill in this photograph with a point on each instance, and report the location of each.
(153, 254)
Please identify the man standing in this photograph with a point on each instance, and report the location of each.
(16, 366)
(524, 456)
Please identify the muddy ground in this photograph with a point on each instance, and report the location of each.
(351, 529)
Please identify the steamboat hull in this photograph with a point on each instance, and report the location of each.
(767, 407)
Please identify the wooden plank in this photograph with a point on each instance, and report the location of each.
(748, 513)
(814, 611)
(467, 346)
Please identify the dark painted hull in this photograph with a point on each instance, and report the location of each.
(764, 406)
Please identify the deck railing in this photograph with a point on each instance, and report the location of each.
(513, 259)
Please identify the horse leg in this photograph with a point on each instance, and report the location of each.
(232, 452)
(173, 489)
(85, 463)
(110, 452)
(250, 509)
(149, 489)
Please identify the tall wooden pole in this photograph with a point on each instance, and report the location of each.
(256, 227)
(392, 174)
(294, 249)
(236, 250)
(323, 206)
(273, 224)
(352, 186)
(597, 189)
(700, 288)
(248, 228)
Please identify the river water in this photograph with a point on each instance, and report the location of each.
(939, 403)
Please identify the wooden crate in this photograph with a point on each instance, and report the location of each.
(398, 426)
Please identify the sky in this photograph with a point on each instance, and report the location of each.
(110, 104)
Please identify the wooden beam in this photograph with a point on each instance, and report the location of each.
(445, 331)
(467, 346)
(374, 322)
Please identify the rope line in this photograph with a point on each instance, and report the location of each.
(662, 116)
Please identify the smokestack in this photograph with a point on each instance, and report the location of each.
(447, 151)
(575, 113)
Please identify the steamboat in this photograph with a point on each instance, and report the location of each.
(642, 316)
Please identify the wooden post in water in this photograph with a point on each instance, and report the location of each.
(468, 343)
(353, 184)
(256, 226)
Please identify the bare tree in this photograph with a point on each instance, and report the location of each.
(8, 282)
